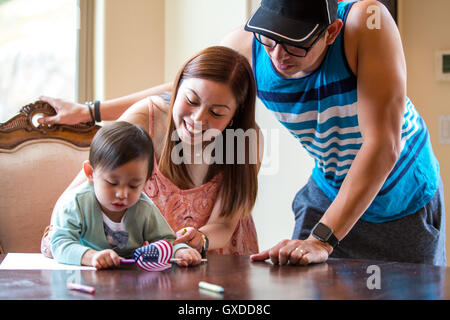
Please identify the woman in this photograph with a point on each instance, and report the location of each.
(201, 193)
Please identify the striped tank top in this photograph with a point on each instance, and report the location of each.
(320, 110)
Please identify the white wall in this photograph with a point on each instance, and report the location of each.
(130, 56)
(191, 25)
(286, 168)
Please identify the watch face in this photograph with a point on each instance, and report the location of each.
(322, 231)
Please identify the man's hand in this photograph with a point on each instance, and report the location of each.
(67, 112)
(297, 252)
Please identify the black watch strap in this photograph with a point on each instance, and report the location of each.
(333, 241)
(325, 234)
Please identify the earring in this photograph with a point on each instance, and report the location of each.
(231, 123)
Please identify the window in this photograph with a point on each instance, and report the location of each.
(38, 52)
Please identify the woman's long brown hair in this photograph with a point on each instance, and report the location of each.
(239, 181)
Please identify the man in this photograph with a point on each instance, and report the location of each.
(339, 85)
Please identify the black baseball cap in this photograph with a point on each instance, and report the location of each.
(294, 22)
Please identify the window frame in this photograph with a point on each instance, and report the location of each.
(84, 73)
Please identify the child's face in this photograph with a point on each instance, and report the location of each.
(119, 189)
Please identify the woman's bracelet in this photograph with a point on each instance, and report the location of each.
(88, 105)
(95, 116)
(97, 111)
(205, 244)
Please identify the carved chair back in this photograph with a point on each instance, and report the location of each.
(37, 163)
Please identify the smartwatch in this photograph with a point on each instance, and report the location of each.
(325, 234)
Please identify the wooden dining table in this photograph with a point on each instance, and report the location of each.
(241, 279)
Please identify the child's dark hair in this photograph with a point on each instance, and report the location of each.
(119, 142)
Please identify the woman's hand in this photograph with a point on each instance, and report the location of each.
(191, 236)
(188, 257)
(67, 112)
(298, 252)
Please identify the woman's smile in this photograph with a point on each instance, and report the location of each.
(192, 129)
(202, 105)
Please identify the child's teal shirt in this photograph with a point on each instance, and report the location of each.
(78, 226)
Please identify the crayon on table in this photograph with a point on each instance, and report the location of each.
(210, 286)
(80, 287)
(178, 259)
(127, 261)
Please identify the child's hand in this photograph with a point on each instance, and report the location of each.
(105, 259)
(188, 257)
(191, 236)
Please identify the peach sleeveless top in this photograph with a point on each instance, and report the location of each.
(193, 207)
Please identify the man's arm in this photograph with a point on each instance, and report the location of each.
(68, 112)
(115, 107)
(381, 76)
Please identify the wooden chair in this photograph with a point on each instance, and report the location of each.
(37, 163)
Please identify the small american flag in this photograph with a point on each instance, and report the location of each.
(155, 256)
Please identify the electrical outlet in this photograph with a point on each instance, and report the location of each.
(444, 129)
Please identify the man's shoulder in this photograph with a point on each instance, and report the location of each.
(358, 26)
(363, 12)
(366, 18)
(239, 40)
